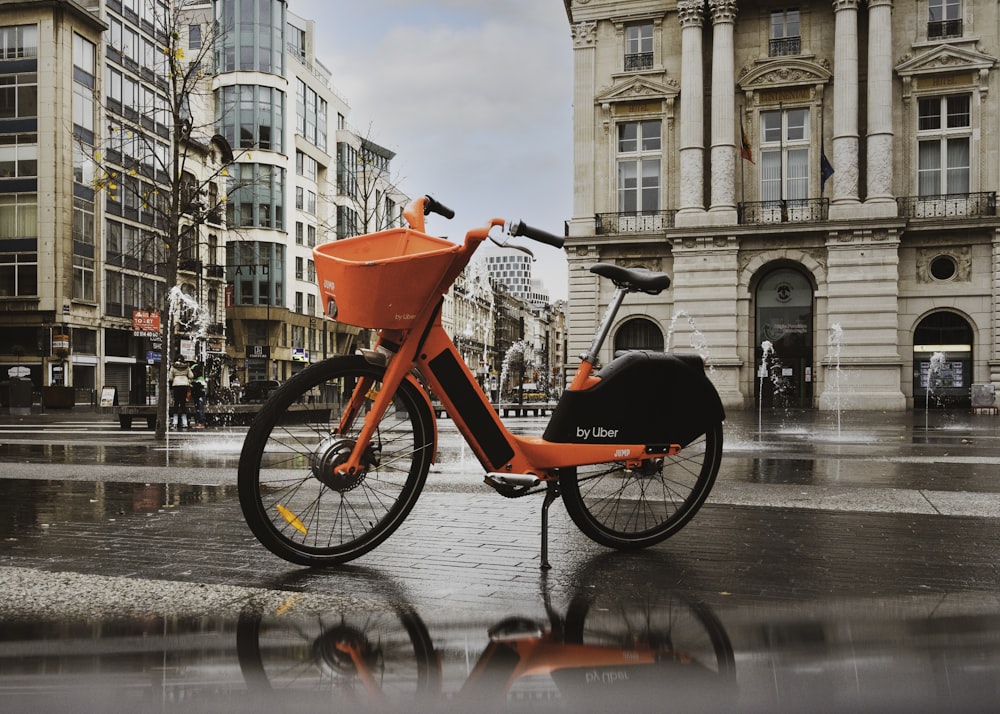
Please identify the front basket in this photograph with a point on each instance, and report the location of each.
(382, 280)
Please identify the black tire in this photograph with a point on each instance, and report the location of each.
(628, 509)
(678, 629)
(293, 503)
(301, 660)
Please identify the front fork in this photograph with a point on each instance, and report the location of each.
(380, 400)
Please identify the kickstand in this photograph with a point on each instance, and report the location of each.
(551, 494)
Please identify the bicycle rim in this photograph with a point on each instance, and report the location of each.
(291, 498)
(295, 657)
(677, 629)
(634, 508)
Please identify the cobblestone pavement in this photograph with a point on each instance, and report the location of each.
(849, 564)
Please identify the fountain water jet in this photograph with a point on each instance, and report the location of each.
(836, 339)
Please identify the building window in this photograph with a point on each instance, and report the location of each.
(194, 37)
(251, 35)
(944, 19)
(310, 115)
(19, 96)
(943, 145)
(251, 116)
(639, 159)
(786, 33)
(943, 267)
(18, 274)
(18, 41)
(639, 47)
(83, 278)
(256, 197)
(83, 221)
(784, 155)
(18, 215)
(18, 155)
(305, 165)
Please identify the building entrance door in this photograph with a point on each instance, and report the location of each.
(942, 361)
(784, 354)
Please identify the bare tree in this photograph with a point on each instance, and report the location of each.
(162, 157)
(365, 178)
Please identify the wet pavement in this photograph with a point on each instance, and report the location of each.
(843, 564)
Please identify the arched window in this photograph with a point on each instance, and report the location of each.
(639, 334)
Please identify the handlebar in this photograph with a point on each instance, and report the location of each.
(520, 228)
(433, 206)
(415, 212)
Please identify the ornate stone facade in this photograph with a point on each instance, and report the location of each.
(827, 170)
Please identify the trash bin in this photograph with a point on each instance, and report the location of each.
(20, 396)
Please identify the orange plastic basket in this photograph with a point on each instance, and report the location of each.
(382, 280)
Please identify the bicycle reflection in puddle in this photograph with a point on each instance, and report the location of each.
(596, 656)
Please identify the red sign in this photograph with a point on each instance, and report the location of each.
(145, 323)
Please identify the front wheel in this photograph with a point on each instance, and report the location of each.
(628, 508)
(294, 500)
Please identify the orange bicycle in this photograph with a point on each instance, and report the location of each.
(633, 448)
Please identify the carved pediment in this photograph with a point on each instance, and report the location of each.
(945, 58)
(637, 89)
(784, 72)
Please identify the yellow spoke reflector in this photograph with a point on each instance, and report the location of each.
(292, 519)
(372, 394)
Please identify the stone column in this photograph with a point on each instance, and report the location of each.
(723, 181)
(845, 110)
(879, 198)
(583, 308)
(584, 122)
(692, 142)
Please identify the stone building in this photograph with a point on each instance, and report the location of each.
(819, 178)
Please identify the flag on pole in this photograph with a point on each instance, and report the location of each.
(825, 169)
(746, 151)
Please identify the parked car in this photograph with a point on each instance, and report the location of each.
(258, 390)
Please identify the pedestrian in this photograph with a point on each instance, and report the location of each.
(199, 395)
(180, 388)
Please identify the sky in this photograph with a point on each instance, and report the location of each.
(473, 96)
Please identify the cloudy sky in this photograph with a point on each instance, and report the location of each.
(474, 96)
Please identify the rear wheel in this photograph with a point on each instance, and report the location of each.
(629, 508)
(292, 497)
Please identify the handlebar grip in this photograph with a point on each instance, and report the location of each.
(520, 228)
(433, 206)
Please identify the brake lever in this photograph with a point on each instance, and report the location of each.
(504, 242)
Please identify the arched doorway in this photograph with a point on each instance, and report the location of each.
(942, 361)
(639, 333)
(784, 357)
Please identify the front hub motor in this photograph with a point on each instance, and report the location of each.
(331, 453)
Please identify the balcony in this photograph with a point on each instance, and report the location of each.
(784, 46)
(215, 271)
(642, 222)
(949, 205)
(638, 61)
(792, 210)
(941, 29)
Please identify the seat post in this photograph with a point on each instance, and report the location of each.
(604, 326)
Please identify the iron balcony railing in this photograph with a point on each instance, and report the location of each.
(784, 46)
(638, 60)
(634, 222)
(944, 28)
(949, 205)
(790, 210)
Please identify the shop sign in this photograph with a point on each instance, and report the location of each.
(145, 323)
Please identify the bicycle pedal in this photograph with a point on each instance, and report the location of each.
(522, 480)
(511, 484)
